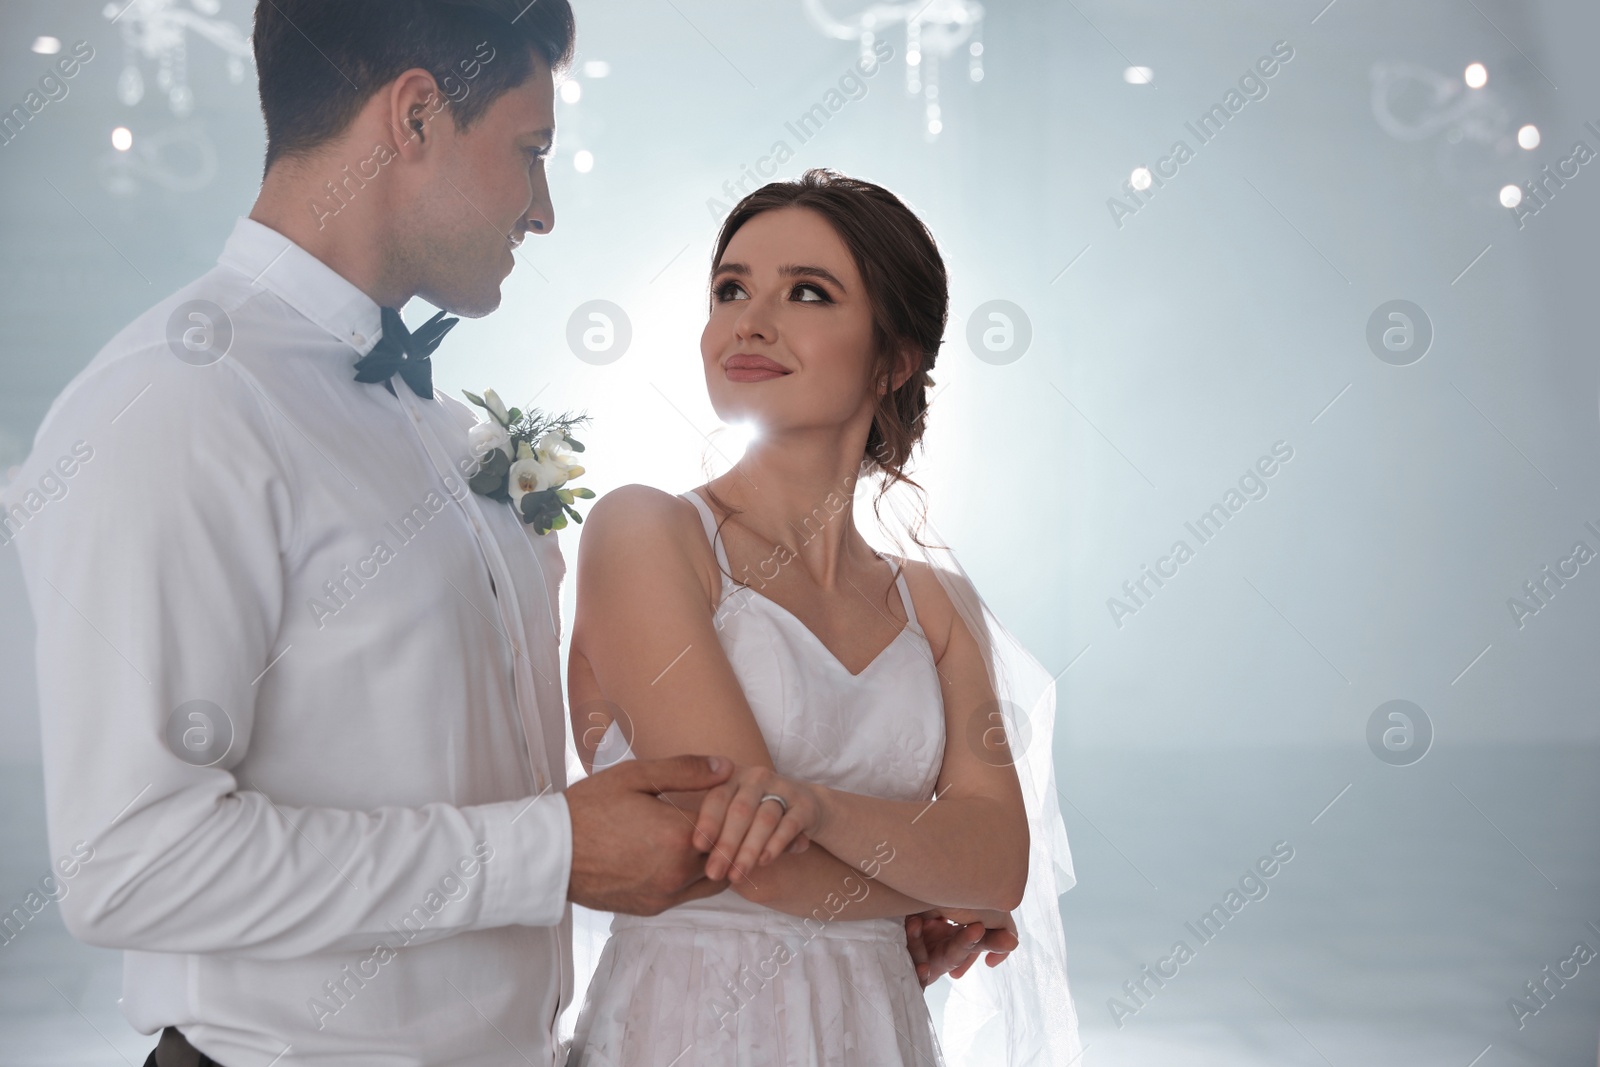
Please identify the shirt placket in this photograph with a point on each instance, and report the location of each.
(507, 600)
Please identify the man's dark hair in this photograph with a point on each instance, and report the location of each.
(320, 61)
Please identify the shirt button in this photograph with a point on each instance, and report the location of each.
(359, 338)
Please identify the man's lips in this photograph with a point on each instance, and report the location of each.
(745, 367)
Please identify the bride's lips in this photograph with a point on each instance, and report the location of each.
(744, 367)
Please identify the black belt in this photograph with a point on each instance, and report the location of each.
(175, 1051)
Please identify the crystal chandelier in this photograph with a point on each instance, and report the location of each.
(935, 31)
(157, 31)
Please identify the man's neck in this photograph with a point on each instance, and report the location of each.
(328, 210)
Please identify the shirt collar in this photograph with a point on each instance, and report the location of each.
(273, 262)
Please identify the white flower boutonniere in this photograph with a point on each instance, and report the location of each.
(526, 459)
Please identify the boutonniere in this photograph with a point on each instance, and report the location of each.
(527, 459)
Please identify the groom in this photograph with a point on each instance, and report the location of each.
(300, 688)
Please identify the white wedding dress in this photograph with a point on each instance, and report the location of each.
(724, 981)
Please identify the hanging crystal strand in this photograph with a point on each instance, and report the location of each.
(130, 83)
(930, 77)
(913, 55)
(164, 70)
(975, 53)
(181, 97)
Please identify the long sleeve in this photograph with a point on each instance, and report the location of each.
(295, 687)
(158, 587)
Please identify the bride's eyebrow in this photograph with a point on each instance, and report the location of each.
(791, 270)
(802, 271)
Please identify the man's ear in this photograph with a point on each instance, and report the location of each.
(414, 104)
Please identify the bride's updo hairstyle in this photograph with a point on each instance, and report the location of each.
(906, 285)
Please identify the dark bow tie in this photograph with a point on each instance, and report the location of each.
(399, 351)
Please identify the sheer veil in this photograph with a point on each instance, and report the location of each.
(1021, 1013)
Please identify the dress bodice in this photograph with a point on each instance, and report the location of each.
(879, 733)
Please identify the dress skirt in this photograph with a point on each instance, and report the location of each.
(766, 990)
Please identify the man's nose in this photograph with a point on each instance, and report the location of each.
(541, 216)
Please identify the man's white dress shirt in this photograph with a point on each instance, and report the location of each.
(259, 564)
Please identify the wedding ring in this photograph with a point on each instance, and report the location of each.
(773, 796)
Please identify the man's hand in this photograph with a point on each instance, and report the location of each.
(631, 851)
(950, 940)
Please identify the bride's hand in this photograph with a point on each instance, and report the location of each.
(950, 940)
(743, 831)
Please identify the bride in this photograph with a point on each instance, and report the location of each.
(856, 690)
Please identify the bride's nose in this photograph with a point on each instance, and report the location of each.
(756, 322)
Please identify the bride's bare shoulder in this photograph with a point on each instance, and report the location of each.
(634, 506)
(643, 520)
(935, 610)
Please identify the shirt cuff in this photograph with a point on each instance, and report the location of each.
(531, 865)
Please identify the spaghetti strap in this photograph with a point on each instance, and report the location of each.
(709, 522)
(905, 596)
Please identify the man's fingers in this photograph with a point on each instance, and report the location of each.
(677, 774)
(697, 890)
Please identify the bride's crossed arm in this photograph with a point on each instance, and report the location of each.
(643, 638)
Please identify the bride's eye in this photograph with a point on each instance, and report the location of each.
(806, 293)
(729, 290)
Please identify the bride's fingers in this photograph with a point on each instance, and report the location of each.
(735, 825)
(1000, 939)
(783, 836)
(713, 808)
(768, 820)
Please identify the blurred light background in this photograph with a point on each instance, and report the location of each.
(1377, 261)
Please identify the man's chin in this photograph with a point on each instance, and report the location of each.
(468, 305)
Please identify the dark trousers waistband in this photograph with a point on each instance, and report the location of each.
(174, 1050)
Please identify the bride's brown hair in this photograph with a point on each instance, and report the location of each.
(907, 288)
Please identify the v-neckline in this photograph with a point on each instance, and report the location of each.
(714, 534)
(823, 645)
